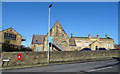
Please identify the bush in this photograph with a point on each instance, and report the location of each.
(11, 48)
(7, 47)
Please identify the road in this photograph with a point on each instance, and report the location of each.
(94, 66)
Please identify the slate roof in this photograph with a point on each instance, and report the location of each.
(38, 39)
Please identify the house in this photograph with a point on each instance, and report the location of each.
(61, 42)
(10, 36)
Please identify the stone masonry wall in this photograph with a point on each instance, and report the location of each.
(31, 58)
(59, 37)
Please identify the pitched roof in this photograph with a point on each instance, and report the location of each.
(80, 37)
(12, 29)
(58, 23)
(38, 39)
(106, 38)
(72, 42)
(93, 37)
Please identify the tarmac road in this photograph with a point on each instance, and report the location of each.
(111, 65)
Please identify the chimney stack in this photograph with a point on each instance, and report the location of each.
(106, 36)
(89, 36)
(71, 35)
(98, 36)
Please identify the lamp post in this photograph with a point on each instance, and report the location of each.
(49, 32)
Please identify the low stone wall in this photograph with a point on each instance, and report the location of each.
(30, 58)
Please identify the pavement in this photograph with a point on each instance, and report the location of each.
(110, 65)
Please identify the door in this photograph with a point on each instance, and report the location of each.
(38, 49)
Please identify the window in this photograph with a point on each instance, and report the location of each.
(108, 45)
(60, 45)
(62, 35)
(36, 40)
(86, 44)
(9, 36)
(78, 44)
(56, 30)
(64, 41)
(102, 45)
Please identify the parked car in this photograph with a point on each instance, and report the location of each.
(84, 49)
(102, 49)
(113, 49)
(118, 48)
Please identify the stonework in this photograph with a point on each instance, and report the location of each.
(93, 42)
(61, 39)
(17, 39)
(35, 46)
(10, 36)
(32, 58)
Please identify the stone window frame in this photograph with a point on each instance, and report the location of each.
(57, 30)
(60, 45)
(10, 36)
(79, 44)
(36, 40)
(86, 44)
(61, 35)
(102, 44)
(108, 45)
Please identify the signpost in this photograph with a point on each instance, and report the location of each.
(50, 41)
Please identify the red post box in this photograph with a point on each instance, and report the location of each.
(19, 57)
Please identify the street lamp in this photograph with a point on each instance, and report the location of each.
(49, 32)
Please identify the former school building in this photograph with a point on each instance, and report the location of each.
(61, 41)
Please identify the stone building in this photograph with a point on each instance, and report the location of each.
(59, 38)
(92, 42)
(10, 34)
(61, 41)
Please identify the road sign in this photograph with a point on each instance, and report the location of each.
(50, 38)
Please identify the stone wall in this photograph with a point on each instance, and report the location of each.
(30, 58)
